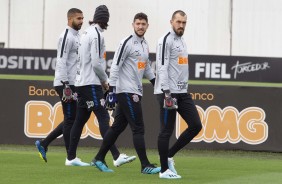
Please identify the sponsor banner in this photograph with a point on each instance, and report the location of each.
(246, 118)
(27, 61)
(235, 68)
(202, 67)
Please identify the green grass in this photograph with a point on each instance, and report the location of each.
(21, 164)
(192, 82)
(27, 77)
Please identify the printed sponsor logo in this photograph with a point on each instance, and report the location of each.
(35, 91)
(248, 67)
(203, 96)
(182, 84)
(219, 125)
(27, 62)
(211, 70)
(182, 60)
(41, 118)
(219, 70)
(105, 55)
(229, 125)
(141, 65)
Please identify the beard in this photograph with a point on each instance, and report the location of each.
(139, 34)
(76, 26)
(178, 32)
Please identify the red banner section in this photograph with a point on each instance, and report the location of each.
(246, 118)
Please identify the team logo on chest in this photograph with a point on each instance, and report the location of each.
(137, 53)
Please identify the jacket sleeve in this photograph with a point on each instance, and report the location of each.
(149, 74)
(64, 48)
(97, 57)
(162, 59)
(120, 55)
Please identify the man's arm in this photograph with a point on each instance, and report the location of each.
(120, 56)
(97, 60)
(149, 74)
(64, 47)
(163, 55)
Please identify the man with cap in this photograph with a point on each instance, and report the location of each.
(91, 80)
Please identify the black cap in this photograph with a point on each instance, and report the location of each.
(101, 15)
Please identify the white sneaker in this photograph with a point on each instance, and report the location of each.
(75, 162)
(123, 159)
(171, 165)
(168, 174)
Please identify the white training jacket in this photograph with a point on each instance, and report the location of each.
(171, 64)
(130, 63)
(67, 55)
(91, 61)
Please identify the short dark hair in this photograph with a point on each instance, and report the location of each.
(182, 13)
(141, 16)
(72, 11)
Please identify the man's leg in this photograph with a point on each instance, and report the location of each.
(58, 131)
(167, 122)
(81, 118)
(112, 134)
(132, 110)
(188, 111)
(69, 111)
(133, 113)
(103, 117)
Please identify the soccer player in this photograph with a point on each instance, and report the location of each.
(91, 79)
(65, 72)
(130, 63)
(171, 89)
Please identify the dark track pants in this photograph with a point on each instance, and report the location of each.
(89, 95)
(188, 111)
(129, 111)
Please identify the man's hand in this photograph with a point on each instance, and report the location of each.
(111, 101)
(169, 102)
(67, 92)
(105, 85)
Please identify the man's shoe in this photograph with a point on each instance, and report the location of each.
(41, 150)
(101, 165)
(171, 165)
(168, 174)
(151, 169)
(123, 159)
(75, 162)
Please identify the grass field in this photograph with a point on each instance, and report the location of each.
(21, 164)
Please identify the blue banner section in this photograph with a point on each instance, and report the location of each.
(201, 67)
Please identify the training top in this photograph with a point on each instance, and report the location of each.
(171, 64)
(67, 54)
(91, 60)
(130, 64)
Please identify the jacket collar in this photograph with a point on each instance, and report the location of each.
(74, 32)
(98, 27)
(140, 39)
